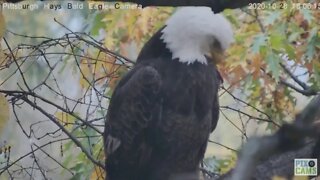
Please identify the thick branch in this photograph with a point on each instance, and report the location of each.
(296, 79)
(289, 137)
(306, 90)
(278, 165)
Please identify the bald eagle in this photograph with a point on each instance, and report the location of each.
(162, 112)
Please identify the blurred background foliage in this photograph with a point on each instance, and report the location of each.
(272, 44)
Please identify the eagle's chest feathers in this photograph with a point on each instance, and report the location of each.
(189, 90)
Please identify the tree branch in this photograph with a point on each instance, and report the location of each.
(24, 96)
(289, 137)
(302, 84)
(73, 138)
(306, 90)
(277, 165)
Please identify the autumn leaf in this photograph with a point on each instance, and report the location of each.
(4, 112)
(300, 178)
(254, 66)
(277, 41)
(86, 71)
(97, 174)
(2, 31)
(237, 74)
(278, 178)
(65, 119)
(2, 25)
(273, 62)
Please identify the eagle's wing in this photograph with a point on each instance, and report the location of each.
(216, 107)
(131, 108)
(215, 113)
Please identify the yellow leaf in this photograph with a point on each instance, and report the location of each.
(4, 112)
(300, 178)
(65, 119)
(278, 178)
(2, 58)
(97, 174)
(86, 71)
(228, 165)
(4, 118)
(2, 25)
(2, 30)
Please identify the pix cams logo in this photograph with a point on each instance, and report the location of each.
(305, 167)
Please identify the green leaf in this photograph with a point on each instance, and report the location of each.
(310, 51)
(307, 15)
(294, 36)
(259, 41)
(233, 19)
(273, 16)
(273, 62)
(316, 70)
(312, 43)
(98, 23)
(290, 51)
(277, 41)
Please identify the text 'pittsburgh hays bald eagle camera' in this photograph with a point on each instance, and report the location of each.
(162, 112)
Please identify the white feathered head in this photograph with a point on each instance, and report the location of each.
(193, 32)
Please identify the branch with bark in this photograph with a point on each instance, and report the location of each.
(305, 89)
(280, 165)
(268, 156)
(63, 111)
